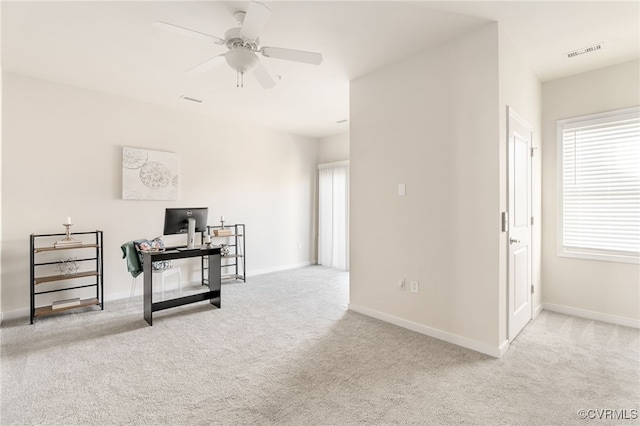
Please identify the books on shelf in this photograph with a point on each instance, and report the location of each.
(222, 232)
(66, 303)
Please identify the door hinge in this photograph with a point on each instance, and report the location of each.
(532, 220)
(533, 149)
(532, 289)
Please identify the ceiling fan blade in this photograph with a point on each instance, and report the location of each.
(263, 77)
(206, 65)
(187, 32)
(254, 20)
(292, 55)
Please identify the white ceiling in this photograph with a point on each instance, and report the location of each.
(110, 46)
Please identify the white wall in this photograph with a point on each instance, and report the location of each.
(333, 148)
(1, 80)
(62, 157)
(432, 123)
(604, 290)
(520, 89)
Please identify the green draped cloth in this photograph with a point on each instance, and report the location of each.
(131, 255)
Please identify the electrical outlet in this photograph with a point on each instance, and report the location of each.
(415, 287)
(401, 284)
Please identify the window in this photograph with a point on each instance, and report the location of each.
(333, 217)
(599, 177)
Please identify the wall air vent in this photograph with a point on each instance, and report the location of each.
(187, 98)
(584, 50)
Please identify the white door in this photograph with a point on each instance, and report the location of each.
(519, 234)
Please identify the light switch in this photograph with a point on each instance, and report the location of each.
(402, 190)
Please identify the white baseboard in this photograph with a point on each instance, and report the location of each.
(121, 295)
(503, 348)
(474, 345)
(537, 311)
(596, 316)
(18, 313)
(279, 268)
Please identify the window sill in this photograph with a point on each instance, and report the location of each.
(618, 258)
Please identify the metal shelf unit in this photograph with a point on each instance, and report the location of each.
(233, 264)
(42, 258)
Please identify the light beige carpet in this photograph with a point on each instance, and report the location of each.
(283, 350)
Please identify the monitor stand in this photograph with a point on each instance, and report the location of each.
(191, 236)
(191, 233)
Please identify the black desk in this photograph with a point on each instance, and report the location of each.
(213, 280)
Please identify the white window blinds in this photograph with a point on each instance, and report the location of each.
(600, 190)
(333, 217)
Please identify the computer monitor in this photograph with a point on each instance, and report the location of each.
(185, 220)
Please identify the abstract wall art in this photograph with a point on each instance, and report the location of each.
(149, 175)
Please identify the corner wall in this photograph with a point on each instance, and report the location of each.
(594, 289)
(333, 148)
(1, 149)
(520, 89)
(62, 157)
(430, 122)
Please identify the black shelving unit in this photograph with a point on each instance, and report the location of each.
(233, 263)
(45, 257)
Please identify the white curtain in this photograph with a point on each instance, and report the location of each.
(333, 217)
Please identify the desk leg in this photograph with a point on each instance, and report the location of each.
(214, 277)
(148, 290)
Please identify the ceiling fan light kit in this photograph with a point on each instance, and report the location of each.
(242, 60)
(243, 44)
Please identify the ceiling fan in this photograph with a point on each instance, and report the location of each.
(243, 44)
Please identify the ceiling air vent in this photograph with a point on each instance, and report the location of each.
(584, 50)
(187, 98)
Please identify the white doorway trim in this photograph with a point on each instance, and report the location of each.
(520, 250)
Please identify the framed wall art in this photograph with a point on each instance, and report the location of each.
(149, 175)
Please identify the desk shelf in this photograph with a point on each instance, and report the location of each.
(52, 278)
(48, 310)
(212, 254)
(86, 281)
(45, 249)
(233, 263)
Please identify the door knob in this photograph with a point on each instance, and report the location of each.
(513, 241)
